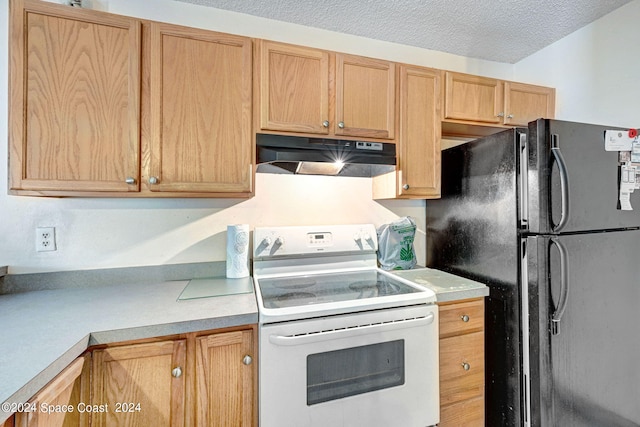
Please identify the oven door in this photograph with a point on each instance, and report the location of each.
(377, 368)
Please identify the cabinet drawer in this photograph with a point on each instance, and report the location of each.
(461, 318)
(468, 413)
(461, 367)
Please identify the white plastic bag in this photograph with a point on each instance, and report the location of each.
(395, 244)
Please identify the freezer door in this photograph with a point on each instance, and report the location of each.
(472, 229)
(584, 294)
(573, 181)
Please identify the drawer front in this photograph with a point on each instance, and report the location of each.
(468, 413)
(461, 367)
(461, 318)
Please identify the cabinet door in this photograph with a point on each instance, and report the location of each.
(147, 378)
(473, 98)
(419, 135)
(466, 413)
(200, 111)
(525, 103)
(225, 379)
(365, 97)
(75, 99)
(461, 367)
(69, 389)
(294, 88)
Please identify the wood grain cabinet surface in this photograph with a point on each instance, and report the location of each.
(462, 364)
(147, 378)
(417, 172)
(225, 389)
(311, 91)
(74, 99)
(200, 110)
(470, 99)
(67, 390)
(106, 105)
(205, 378)
(202, 379)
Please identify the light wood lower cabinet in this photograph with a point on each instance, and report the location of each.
(140, 384)
(462, 364)
(225, 379)
(57, 404)
(201, 380)
(196, 379)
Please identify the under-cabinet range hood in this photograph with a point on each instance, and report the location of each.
(317, 156)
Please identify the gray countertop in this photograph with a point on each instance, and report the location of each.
(448, 287)
(44, 331)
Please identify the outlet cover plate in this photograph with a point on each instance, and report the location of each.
(45, 239)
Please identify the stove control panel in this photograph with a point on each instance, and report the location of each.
(303, 240)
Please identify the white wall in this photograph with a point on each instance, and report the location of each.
(101, 233)
(595, 70)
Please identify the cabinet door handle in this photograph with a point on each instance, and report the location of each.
(176, 372)
(466, 366)
(341, 125)
(500, 114)
(130, 180)
(465, 318)
(247, 360)
(405, 187)
(510, 116)
(153, 180)
(325, 123)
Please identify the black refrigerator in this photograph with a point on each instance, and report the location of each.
(534, 214)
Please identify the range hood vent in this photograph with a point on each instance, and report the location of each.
(318, 156)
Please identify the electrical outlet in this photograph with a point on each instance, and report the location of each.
(45, 239)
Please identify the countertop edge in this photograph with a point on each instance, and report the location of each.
(462, 295)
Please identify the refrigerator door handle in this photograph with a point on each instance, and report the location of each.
(564, 287)
(564, 183)
(524, 182)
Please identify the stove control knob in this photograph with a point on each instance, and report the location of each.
(266, 242)
(279, 242)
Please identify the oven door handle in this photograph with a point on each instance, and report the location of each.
(333, 334)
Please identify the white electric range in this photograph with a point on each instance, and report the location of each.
(342, 342)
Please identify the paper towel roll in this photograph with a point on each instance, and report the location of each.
(237, 251)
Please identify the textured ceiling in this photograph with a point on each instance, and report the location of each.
(496, 30)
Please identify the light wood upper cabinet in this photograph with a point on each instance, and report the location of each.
(70, 389)
(365, 97)
(472, 98)
(311, 91)
(74, 99)
(417, 172)
(225, 377)
(201, 110)
(419, 139)
(524, 103)
(294, 88)
(484, 101)
(150, 376)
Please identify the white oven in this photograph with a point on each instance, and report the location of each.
(374, 369)
(341, 342)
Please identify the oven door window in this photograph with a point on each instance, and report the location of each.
(340, 373)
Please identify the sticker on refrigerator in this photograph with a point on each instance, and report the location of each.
(628, 183)
(619, 140)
